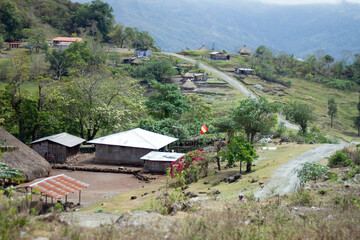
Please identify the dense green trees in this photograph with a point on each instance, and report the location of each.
(10, 20)
(255, 116)
(300, 113)
(159, 69)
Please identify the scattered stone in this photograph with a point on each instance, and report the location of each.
(133, 197)
(253, 181)
(190, 195)
(312, 142)
(153, 191)
(216, 192)
(237, 176)
(231, 179)
(145, 194)
(206, 182)
(202, 192)
(319, 185)
(226, 179)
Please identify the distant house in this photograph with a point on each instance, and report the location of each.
(58, 40)
(245, 71)
(219, 56)
(128, 147)
(14, 44)
(203, 48)
(244, 51)
(58, 148)
(200, 76)
(63, 45)
(159, 162)
(187, 76)
(139, 53)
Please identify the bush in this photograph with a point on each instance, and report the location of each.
(352, 173)
(99, 210)
(311, 171)
(339, 159)
(301, 198)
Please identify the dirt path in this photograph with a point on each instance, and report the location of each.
(232, 81)
(284, 180)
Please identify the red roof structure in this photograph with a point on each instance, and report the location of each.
(56, 186)
(67, 39)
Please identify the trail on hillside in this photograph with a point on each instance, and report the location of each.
(284, 180)
(232, 81)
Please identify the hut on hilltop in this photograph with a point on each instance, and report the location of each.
(244, 51)
(203, 48)
(188, 85)
(23, 158)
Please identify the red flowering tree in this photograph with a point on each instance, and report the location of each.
(188, 168)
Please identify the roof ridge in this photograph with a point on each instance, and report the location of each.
(144, 138)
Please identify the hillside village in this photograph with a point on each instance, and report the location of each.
(104, 136)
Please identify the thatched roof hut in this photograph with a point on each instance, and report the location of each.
(203, 48)
(24, 158)
(188, 85)
(244, 51)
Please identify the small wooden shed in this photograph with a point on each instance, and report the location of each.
(14, 44)
(245, 71)
(58, 148)
(219, 56)
(128, 147)
(159, 162)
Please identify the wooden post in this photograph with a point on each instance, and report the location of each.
(45, 199)
(79, 196)
(65, 199)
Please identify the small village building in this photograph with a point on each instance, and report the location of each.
(245, 71)
(136, 62)
(139, 53)
(203, 48)
(23, 157)
(159, 162)
(188, 85)
(63, 45)
(219, 56)
(200, 76)
(244, 51)
(14, 44)
(187, 76)
(128, 147)
(58, 148)
(58, 40)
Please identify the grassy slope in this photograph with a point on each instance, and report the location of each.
(311, 93)
(270, 160)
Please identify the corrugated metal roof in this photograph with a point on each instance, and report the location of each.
(162, 156)
(56, 186)
(65, 139)
(67, 39)
(136, 138)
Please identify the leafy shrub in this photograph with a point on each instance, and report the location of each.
(166, 204)
(311, 171)
(352, 173)
(322, 191)
(301, 198)
(59, 207)
(337, 83)
(353, 154)
(333, 177)
(339, 159)
(99, 210)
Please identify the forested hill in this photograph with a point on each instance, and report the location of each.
(298, 30)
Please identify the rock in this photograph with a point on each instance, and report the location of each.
(145, 194)
(175, 209)
(312, 142)
(231, 179)
(190, 195)
(202, 192)
(153, 191)
(319, 185)
(226, 179)
(253, 181)
(144, 220)
(206, 182)
(237, 176)
(216, 192)
(133, 197)
(284, 140)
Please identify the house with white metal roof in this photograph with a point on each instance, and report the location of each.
(159, 162)
(58, 148)
(128, 147)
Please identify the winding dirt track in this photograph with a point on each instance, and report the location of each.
(232, 81)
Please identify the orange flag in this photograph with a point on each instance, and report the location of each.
(204, 129)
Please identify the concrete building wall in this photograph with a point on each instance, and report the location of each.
(55, 153)
(156, 166)
(120, 155)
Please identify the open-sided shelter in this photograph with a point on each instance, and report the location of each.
(23, 158)
(159, 162)
(128, 147)
(58, 148)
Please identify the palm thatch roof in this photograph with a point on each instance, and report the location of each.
(203, 48)
(23, 158)
(188, 85)
(244, 51)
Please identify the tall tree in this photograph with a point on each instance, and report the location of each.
(357, 119)
(300, 113)
(167, 101)
(254, 116)
(332, 109)
(10, 20)
(240, 150)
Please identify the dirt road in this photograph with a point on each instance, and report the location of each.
(233, 82)
(284, 180)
